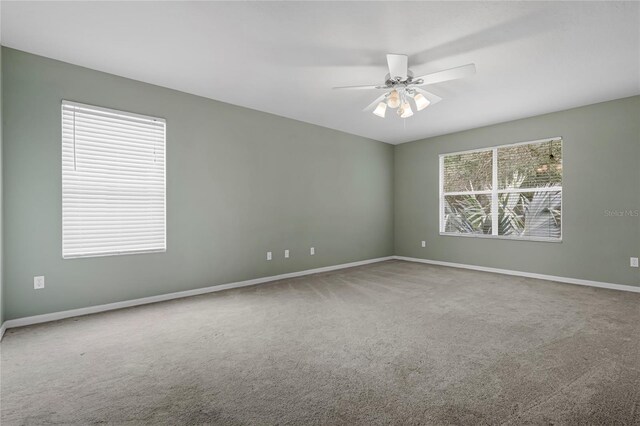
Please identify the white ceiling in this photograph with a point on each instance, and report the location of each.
(284, 57)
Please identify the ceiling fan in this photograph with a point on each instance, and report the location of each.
(401, 85)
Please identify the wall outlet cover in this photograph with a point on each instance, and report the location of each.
(424, 244)
(38, 282)
(634, 262)
(312, 251)
(286, 254)
(269, 256)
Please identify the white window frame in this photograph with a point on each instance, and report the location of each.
(164, 194)
(494, 192)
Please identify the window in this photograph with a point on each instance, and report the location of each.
(510, 191)
(113, 182)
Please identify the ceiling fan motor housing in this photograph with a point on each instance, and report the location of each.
(396, 81)
(401, 85)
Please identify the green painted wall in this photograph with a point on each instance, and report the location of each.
(601, 165)
(1, 203)
(239, 182)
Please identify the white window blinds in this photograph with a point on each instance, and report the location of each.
(510, 191)
(113, 182)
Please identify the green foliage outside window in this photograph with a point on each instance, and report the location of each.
(529, 194)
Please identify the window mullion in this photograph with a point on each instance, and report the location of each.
(494, 194)
(441, 206)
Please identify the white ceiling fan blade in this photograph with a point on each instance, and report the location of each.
(433, 99)
(360, 87)
(446, 75)
(398, 65)
(374, 103)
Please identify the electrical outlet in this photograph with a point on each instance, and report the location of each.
(286, 254)
(38, 283)
(312, 251)
(634, 262)
(269, 255)
(424, 244)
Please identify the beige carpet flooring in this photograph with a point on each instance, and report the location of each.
(388, 343)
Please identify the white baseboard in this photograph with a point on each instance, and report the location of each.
(37, 319)
(576, 281)
(54, 316)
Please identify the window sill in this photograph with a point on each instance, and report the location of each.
(108, 254)
(502, 237)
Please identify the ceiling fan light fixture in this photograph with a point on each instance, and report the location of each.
(405, 110)
(421, 101)
(400, 84)
(393, 100)
(380, 109)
